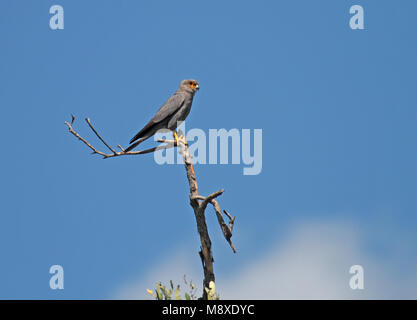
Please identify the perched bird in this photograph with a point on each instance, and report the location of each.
(170, 115)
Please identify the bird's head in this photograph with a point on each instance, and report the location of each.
(189, 85)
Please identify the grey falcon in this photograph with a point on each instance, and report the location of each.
(174, 111)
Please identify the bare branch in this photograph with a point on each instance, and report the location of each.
(169, 143)
(227, 230)
(102, 140)
(231, 220)
(81, 138)
(120, 147)
(209, 198)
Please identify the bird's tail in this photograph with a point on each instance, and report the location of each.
(134, 145)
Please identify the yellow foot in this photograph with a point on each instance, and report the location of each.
(183, 140)
(180, 139)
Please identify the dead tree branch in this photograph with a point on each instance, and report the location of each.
(226, 229)
(198, 203)
(169, 143)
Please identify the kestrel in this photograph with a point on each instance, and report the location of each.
(174, 111)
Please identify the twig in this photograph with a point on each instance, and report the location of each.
(227, 230)
(102, 140)
(231, 220)
(169, 143)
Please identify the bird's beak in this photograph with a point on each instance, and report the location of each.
(197, 87)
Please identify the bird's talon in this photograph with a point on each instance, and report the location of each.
(182, 139)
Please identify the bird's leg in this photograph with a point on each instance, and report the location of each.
(179, 138)
(176, 137)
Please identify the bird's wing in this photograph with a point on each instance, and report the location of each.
(172, 105)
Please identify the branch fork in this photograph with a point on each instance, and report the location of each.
(226, 229)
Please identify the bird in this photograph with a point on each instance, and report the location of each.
(170, 115)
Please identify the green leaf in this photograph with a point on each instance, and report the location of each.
(178, 293)
(158, 292)
(187, 296)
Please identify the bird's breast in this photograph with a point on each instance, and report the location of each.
(181, 114)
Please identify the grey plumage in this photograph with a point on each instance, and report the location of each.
(173, 111)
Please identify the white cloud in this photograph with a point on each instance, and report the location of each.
(311, 263)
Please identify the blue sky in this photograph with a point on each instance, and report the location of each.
(337, 108)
